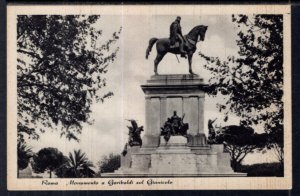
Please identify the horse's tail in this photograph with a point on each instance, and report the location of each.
(151, 43)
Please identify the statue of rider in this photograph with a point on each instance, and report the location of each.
(176, 35)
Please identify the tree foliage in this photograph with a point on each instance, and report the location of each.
(239, 141)
(24, 155)
(109, 163)
(77, 165)
(252, 81)
(61, 65)
(48, 159)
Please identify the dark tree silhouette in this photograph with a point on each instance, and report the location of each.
(48, 159)
(252, 82)
(239, 141)
(276, 143)
(24, 155)
(61, 65)
(109, 163)
(77, 165)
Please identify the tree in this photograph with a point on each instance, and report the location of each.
(24, 155)
(61, 65)
(252, 82)
(109, 163)
(48, 159)
(77, 166)
(276, 143)
(239, 141)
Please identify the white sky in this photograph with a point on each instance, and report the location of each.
(131, 69)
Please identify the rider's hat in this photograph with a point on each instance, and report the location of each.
(178, 18)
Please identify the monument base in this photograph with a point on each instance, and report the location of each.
(182, 96)
(176, 158)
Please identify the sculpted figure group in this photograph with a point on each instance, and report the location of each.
(174, 126)
(134, 136)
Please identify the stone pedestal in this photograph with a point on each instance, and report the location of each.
(180, 156)
(167, 93)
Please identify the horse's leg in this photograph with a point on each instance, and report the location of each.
(190, 56)
(158, 58)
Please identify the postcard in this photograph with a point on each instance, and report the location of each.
(149, 97)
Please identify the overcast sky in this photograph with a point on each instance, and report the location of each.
(131, 69)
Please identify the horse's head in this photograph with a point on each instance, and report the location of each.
(198, 33)
(202, 31)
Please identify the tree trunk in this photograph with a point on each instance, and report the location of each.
(50, 172)
(234, 165)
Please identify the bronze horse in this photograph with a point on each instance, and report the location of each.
(163, 46)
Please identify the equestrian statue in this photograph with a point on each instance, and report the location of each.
(177, 43)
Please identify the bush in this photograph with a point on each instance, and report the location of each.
(262, 169)
(109, 163)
